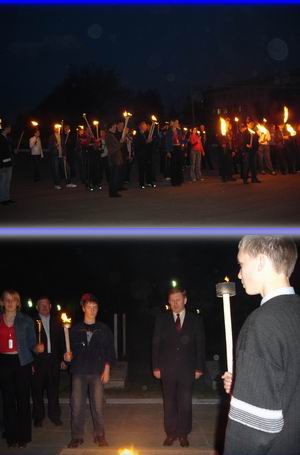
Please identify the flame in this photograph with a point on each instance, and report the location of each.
(81, 127)
(290, 129)
(251, 131)
(265, 120)
(125, 451)
(134, 132)
(153, 118)
(57, 125)
(285, 114)
(83, 115)
(236, 119)
(127, 114)
(185, 128)
(167, 307)
(223, 126)
(95, 123)
(198, 132)
(34, 123)
(65, 319)
(226, 279)
(262, 129)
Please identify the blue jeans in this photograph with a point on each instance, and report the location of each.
(81, 384)
(5, 182)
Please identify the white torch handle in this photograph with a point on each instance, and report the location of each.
(124, 129)
(67, 339)
(228, 332)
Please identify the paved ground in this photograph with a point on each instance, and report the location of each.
(210, 203)
(137, 425)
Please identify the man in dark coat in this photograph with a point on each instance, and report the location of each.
(47, 364)
(178, 359)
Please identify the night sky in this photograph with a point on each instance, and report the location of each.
(131, 277)
(175, 49)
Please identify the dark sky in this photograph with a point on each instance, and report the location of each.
(171, 48)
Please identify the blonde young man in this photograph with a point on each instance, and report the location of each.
(264, 416)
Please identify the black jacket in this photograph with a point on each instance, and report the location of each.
(178, 354)
(57, 339)
(6, 156)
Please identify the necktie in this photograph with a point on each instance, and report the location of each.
(177, 323)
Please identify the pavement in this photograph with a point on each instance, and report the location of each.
(274, 202)
(136, 425)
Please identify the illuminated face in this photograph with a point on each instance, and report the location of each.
(43, 306)
(10, 302)
(250, 273)
(177, 302)
(90, 310)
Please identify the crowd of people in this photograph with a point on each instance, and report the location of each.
(264, 412)
(84, 156)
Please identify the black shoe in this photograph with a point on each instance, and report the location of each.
(184, 442)
(38, 423)
(12, 444)
(57, 422)
(123, 189)
(22, 445)
(245, 182)
(169, 440)
(75, 443)
(115, 195)
(256, 181)
(101, 441)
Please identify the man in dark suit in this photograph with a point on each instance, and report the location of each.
(178, 359)
(47, 364)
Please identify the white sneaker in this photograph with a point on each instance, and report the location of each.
(71, 185)
(57, 187)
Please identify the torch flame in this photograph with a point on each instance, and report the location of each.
(95, 123)
(34, 123)
(290, 129)
(57, 125)
(265, 120)
(127, 114)
(134, 132)
(125, 451)
(153, 118)
(285, 114)
(65, 319)
(251, 131)
(226, 279)
(262, 129)
(236, 119)
(223, 126)
(81, 127)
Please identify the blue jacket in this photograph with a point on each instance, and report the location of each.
(25, 336)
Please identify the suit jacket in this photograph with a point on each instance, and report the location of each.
(178, 354)
(58, 347)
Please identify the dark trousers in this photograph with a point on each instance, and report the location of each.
(249, 164)
(207, 162)
(114, 179)
(36, 159)
(145, 167)
(102, 168)
(15, 388)
(177, 157)
(225, 163)
(91, 167)
(177, 395)
(45, 377)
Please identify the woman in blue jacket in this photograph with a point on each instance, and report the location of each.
(17, 342)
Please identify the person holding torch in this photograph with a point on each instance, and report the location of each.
(264, 415)
(92, 354)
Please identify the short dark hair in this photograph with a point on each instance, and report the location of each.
(88, 297)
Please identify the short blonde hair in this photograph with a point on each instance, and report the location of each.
(282, 251)
(14, 294)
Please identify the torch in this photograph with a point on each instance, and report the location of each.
(34, 123)
(39, 324)
(227, 290)
(87, 123)
(290, 129)
(126, 115)
(285, 114)
(67, 324)
(154, 121)
(96, 124)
